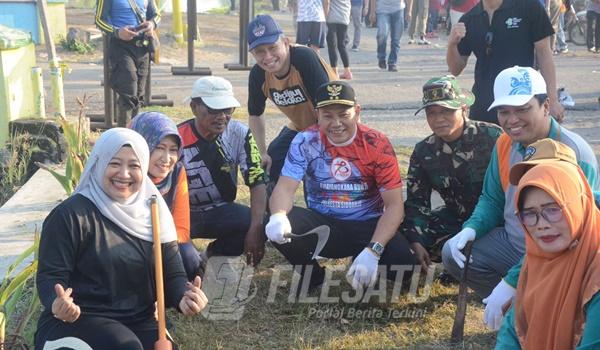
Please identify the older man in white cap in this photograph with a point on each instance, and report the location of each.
(214, 147)
(523, 112)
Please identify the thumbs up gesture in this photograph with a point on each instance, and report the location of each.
(194, 299)
(63, 306)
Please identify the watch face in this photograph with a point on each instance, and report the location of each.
(377, 247)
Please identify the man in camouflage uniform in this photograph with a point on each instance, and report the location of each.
(452, 161)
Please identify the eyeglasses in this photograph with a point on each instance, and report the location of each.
(552, 213)
(228, 112)
(489, 38)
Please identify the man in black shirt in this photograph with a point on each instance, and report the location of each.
(502, 34)
(289, 76)
(214, 148)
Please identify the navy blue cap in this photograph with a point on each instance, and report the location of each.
(263, 30)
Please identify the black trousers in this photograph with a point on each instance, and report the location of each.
(228, 223)
(96, 332)
(346, 238)
(129, 66)
(593, 29)
(336, 40)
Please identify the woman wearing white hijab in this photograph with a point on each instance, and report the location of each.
(96, 267)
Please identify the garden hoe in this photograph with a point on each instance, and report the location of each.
(458, 327)
(322, 233)
(162, 343)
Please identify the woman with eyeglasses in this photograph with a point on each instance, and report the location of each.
(557, 305)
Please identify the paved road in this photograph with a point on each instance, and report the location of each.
(388, 99)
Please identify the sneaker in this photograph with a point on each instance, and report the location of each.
(382, 64)
(564, 50)
(392, 68)
(354, 48)
(411, 41)
(565, 98)
(423, 41)
(592, 49)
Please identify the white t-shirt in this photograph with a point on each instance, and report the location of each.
(311, 11)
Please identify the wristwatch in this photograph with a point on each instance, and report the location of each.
(376, 247)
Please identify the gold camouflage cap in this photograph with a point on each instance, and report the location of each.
(541, 151)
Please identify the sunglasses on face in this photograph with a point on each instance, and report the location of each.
(552, 214)
(228, 112)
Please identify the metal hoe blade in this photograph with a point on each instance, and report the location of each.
(322, 233)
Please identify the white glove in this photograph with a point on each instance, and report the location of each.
(364, 269)
(502, 294)
(278, 225)
(458, 242)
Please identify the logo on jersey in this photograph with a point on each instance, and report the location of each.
(288, 97)
(513, 22)
(529, 152)
(341, 169)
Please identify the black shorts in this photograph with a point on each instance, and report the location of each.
(311, 33)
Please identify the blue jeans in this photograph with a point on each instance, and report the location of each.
(389, 23)
(561, 43)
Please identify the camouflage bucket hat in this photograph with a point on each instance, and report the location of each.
(445, 91)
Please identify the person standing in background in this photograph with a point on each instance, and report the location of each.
(311, 23)
(419, 10)
(338, 19)
(389, 15)
(128, 24)
(593, 35)
(358, 9)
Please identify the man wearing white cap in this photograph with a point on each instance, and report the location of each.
(214, 147)
(523, 112)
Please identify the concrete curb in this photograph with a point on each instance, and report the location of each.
(24, 212)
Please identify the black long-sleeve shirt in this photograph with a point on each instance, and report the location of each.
(110, 271)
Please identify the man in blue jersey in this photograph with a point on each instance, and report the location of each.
(129, 25)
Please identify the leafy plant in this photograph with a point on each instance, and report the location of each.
(13, 172)
(76, 45)
(13, 290)
(77, 150)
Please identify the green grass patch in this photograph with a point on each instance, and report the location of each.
(223, 10)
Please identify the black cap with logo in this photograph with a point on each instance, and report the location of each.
(335, 92)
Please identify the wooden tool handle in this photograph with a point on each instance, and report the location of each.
(158, 267)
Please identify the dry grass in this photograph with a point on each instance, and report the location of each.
(280, 324)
